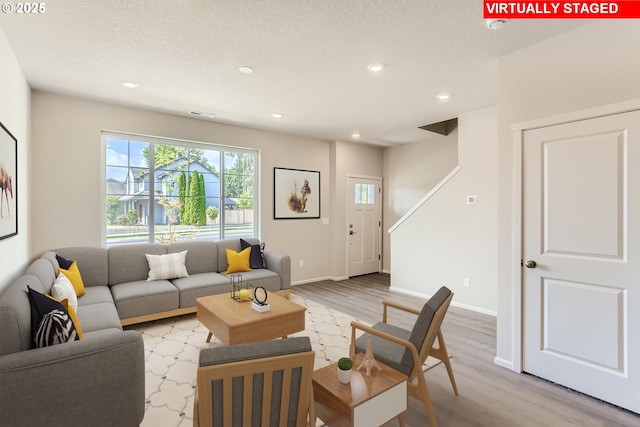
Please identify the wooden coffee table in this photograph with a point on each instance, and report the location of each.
(366, 401)
(234, 322)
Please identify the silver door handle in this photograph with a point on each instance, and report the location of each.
(530, 264)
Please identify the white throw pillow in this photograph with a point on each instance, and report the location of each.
(169, 266)
(63, 289)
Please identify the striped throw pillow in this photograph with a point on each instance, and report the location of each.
(56, 327)
(169, 266)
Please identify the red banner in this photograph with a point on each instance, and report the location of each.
(623, 9)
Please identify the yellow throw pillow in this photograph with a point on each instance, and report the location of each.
(73, 315)
(73, 274)
(238, 261)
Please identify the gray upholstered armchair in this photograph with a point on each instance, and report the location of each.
(266, 383)
(406, 351)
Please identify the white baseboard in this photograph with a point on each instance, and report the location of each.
(319, 279)
(504, 363)
(453, 303)
(386, 271)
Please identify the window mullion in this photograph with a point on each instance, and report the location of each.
(152, 185)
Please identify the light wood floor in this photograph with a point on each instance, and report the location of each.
(489, 394)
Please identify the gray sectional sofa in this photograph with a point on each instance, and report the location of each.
(99, 381)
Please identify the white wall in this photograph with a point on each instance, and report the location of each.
(410, 172)
(67, 161)
(594, 65)
(14, 115)
(445, 240)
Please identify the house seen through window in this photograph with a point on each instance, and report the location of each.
(167, 191)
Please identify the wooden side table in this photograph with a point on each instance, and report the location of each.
(367, 401)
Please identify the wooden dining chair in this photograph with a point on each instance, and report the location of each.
(407, 350)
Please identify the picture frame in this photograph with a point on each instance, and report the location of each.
(296, 193)
(8, 184)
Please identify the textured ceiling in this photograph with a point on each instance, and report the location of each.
(309, 58)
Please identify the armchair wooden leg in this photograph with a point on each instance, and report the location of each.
(421, 392)
(441, 353)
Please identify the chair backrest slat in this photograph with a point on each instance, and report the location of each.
(246, 403)
(266, 397)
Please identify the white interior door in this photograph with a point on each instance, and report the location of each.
(364, 225)
(581, 227)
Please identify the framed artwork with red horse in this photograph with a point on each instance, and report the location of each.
(296, 193)
(8, 184)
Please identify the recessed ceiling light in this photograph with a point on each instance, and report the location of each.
(495, 24)
(376, 68)
(355, 135)
(443, 96)
(245, 69)
(202, 114)
(130, 85)
(277, 115)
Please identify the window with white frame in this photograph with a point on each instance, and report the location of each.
(164, 191)
(364, 194)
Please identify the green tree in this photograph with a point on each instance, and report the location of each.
(182, 195)
(171, 207)
(191, 204)
(129, 219)
(245, 201)
(212, 213)
(238, 179)
(112, 206)
(167, 154)
(202, 202)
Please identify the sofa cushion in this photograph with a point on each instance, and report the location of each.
(202, 256)
(97, 317)
(168, 266)
(128, 263)
(46, 275)
(256, 259)
(92, 263)
(387, 352)
(200, 285)
(141, 297)
(262, 277)
(96, 295)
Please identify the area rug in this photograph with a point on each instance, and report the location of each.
(172, 348)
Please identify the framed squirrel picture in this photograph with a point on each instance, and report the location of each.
(296, 193)
(8, 184)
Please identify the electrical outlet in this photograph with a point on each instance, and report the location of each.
(301, 263)
(466, 282)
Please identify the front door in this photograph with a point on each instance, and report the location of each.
(581, 255)
(364, 226)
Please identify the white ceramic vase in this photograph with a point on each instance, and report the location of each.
(344, 376)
